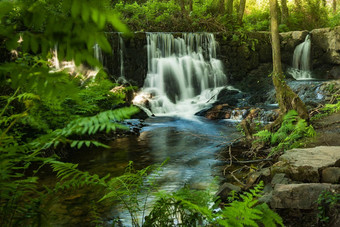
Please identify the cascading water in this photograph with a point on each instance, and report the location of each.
(183, 73)
(301, 61)
(121, 54)
(98, 53)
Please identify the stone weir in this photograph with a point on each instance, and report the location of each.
(246, 57)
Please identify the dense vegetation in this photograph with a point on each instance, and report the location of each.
(46, 111)
(224, 15)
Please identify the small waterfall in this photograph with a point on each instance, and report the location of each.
(121, 54)
(301, 61)
(183, 75)
(98, 53)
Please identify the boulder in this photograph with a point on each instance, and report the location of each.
(305, 164)
(328, 42)
(331, 175)
(299, 196)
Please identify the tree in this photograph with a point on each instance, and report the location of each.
(241, 11)
(284, 12)
(222, 6)
(230, 5)
(286, 98)
(334, 6)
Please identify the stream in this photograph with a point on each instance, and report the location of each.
(190, 144)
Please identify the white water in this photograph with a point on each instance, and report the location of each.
(184, 75)
(301, 61)
(121, 54)
(98, 53)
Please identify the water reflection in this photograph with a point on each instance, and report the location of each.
(190, 145)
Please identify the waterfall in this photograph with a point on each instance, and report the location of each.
(183, 73)
(121, 54)
(301, 60)
(98, 53)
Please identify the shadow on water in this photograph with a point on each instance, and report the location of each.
(190, 145)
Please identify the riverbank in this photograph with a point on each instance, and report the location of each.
(296, 180)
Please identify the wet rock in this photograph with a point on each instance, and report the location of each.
(305, 164)
(331, 175)
(225, 189)
(299, 196)
(231, 97)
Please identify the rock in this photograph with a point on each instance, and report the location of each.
(230, 97)
(263, 174)
(299, 35)
(331, 175)
(225, 189)
(304, 164)
(280, 178)
(299, 196)
(328, 42)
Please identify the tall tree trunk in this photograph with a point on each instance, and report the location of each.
(284, 11)
(241, 11)
(182, 5)
(230, 5)
(286, 98)
(221, 6)
(334, 6)
(190, 5)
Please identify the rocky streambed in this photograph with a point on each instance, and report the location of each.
(295, 179)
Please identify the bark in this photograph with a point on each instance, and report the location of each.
(284, 11)
(182, 5)
(286, 98)
(190, 5)
(241, 11)
(230, 5)
(221, 6)
(334, 6)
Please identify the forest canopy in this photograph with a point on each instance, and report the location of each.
(225, 15)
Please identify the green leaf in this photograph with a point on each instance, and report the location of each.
(34, 45)
(76, 8)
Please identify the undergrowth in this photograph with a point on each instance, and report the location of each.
(199, 208)
(293, 129)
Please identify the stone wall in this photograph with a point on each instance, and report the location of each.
(247, 57)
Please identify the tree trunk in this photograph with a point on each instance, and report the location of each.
(190, 5)
(286, 98)
(230, 5)
(324, 3)
(334, 6)
(284, 11)
(182, 5)
(221, 6)
(241, 11)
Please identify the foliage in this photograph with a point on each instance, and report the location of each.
(41, 108)
(194, 208)
(131, 189)
(328, 109)
(326, 202)
(288, 136)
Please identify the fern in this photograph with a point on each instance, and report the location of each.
(289, 135)
(186, 209)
